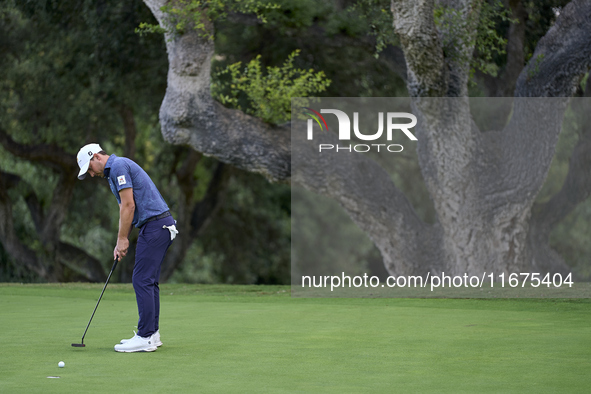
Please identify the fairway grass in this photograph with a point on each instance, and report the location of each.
(258, 339)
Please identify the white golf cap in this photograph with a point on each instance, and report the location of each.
(84, 155)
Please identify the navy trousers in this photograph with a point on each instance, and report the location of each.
(152, 244)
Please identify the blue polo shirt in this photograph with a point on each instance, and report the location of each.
(123, 173)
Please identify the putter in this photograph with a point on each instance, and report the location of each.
(81, 344)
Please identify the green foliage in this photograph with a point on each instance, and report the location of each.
(268, 94)
(67, 83)
(148, 28)
(488, 40)
(376, 14)
(294, 16)
(68, 68)
(541, 16)
(248, 240)
(330, 39)
(536, 67)
(584, 81)
(456, 29)
(193, 14)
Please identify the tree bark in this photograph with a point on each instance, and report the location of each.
(484, 184)
(190, 116)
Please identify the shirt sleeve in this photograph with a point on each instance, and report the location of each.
(121, 177)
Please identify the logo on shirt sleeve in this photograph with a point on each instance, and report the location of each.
(121, 180)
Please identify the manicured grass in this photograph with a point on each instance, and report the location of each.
(257, 339)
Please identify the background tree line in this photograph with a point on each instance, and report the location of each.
(77, 72)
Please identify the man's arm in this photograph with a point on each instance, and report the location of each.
(126, 211)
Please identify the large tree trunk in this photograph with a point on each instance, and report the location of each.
(484, 184)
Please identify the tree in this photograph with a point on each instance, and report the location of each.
(486, 218)
(66, 68)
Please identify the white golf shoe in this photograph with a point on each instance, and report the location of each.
(127, 340)
(155, 338)
(136, 344)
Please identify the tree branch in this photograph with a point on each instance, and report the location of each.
(51, 155)
(527, 145)
(414, 24)
(190, 116)
(561, 57)
(10, 241)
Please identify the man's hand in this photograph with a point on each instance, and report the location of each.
(121, 248)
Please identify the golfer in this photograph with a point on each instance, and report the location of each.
(140, 205)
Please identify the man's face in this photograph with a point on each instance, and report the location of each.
(95, 167)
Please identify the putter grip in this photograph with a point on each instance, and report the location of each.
(115, 263)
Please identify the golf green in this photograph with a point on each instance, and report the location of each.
(258, 339)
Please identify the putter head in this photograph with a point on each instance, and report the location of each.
(78, 345)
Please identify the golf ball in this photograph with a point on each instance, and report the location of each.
(61, 364)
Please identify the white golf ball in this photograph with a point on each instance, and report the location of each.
(61, 364)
